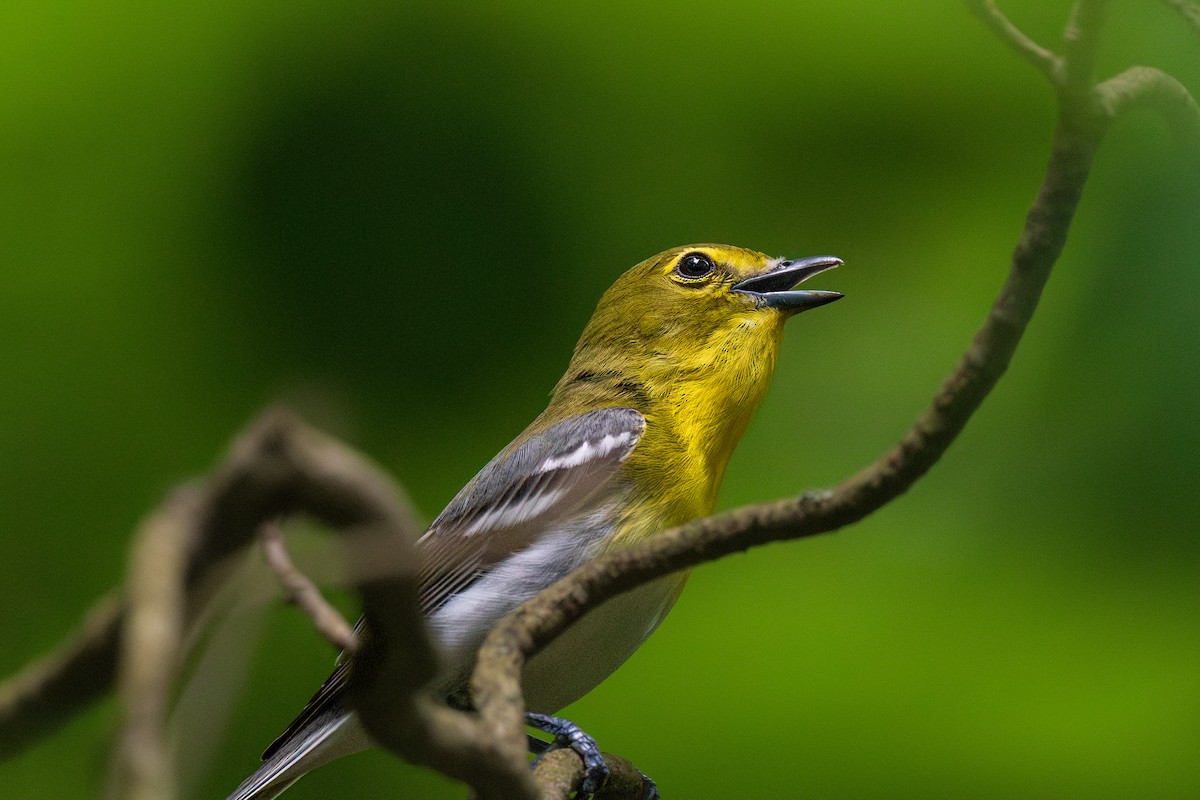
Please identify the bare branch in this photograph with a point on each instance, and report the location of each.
(455, 744)
(391, 670)
(278, 466)
(1045, 60)
(150, 648)
(559, 772)
(1081, 40)
(1146, 87)
(56, 687)
(300, 590)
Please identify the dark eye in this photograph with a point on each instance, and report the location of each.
(695, 265)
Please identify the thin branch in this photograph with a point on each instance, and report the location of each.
(558, 773)
(301, 591)
(1188, 10)
(150, 648)
(453, 743)
(1045, 60)
(625, 781)
(1081, 40)
(1146, 87)
(51, 690)
(282, 466)
(276, 467)
(391, 670)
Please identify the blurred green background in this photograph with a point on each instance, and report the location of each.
(397, 218)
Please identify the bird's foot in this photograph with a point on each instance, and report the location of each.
(568, 734)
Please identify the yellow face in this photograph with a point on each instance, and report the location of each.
(691, 280)
(689, 338)
(699, 296)
(707, 271)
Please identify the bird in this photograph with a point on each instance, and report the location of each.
(635, 439)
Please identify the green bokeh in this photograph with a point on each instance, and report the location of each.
(397, 217)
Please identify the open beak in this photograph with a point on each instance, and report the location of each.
(774, 288)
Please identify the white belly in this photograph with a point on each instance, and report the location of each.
(587, 652)
(599, 642)
(570, 666)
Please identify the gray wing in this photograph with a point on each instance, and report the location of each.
(520, 495)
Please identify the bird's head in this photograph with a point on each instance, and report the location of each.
(703, 300)
(689, 338)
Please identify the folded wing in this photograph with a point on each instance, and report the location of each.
(537, 481)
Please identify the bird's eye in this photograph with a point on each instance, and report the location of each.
(694, 265)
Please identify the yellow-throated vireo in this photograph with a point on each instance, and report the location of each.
(635, 440)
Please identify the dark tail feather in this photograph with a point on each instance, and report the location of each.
(305, 750)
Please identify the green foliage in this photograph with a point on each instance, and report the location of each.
(397, 217)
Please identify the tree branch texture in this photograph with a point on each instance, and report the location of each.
(279, 467)
(1044, 60)
(50, 691)
(302, 591)
(1154, 90)
(150, 647)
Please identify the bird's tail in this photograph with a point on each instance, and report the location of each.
(323, 739)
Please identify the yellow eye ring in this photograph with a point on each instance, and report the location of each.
(694, 266)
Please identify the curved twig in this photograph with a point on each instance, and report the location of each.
(278, 466)
(1081, 40)
(1046, 61)
(51, 690)
(302, 591)
(150, 648)
(1146, 87)
(559, 772)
